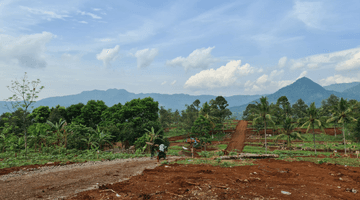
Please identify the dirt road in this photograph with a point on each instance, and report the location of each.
(62, 181)
(238, 138)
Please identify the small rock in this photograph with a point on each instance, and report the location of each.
(354, 191)
(284, 192)
(340, 179)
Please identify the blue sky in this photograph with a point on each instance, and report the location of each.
(192, 47)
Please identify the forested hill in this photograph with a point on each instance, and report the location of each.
(303, 88)
(115, 96)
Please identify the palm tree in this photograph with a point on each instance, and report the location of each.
(312, 119)
(288, 132)
(343, 115)
(262, 111)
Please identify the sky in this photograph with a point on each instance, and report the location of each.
(170, 47)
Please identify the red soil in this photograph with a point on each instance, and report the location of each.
(266, 180)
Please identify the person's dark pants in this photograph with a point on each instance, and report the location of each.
(161, 155)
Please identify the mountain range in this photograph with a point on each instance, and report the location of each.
(303, 88)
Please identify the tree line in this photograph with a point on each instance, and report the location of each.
(94, 124)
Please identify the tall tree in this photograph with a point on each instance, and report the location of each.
(343, 116)
(313, 117)
(285, 108)
(73, 112)
(262, 112)
(247, 114)
(299, 109)
(91, 113)
(57, 113)
(221, 111)
(22, 89)
(201, 129)
(328, 103)
(41, 114)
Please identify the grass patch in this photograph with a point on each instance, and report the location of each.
(354, 162)
(43, 158)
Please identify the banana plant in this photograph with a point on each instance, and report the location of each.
(90, 140)
(59, 128)
(150, 137)
(102, 138)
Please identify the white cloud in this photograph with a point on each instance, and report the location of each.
(163, 83)
(281, 84)
(83, 22)
(25, 51)
(262, 79)
(352, 63)
(260, 70)
(338, 79)
(47, 14)
(89, 14)
(108, 55)
(198, 59)
(302, 75)
(145, 57)
(296, 65)
(282, 62)
(340, 60)
(221, 77)
(173, 82)
(310, 13)
(276, 74)
(96, 9)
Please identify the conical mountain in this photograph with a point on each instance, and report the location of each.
(303, 88)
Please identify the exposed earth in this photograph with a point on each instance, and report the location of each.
(143, 178)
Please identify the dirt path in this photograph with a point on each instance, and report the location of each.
(268, 179)
(238, 138)
(60, 182)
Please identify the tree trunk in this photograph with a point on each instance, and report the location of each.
(265, 139)
(335, 129)
(314, 140)
(344, 137)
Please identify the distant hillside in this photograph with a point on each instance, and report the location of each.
(305, 89)
(353, 90)
(341, 87)
(114, 96)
